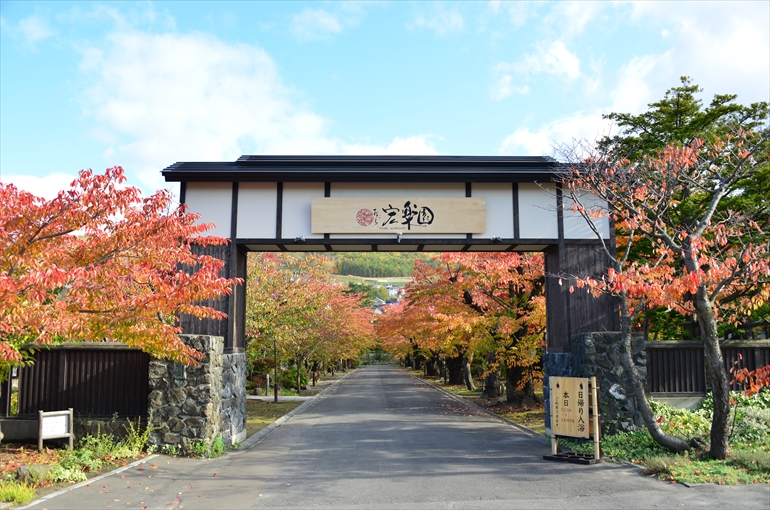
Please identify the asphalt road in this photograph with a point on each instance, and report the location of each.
(380, 439)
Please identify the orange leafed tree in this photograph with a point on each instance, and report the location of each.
(705, 260)
(101, 262)
(470, 304)
(294, 301)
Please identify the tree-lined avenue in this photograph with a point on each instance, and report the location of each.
(383, 439)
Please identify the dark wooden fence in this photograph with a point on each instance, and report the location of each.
(680, 367)
(96, 380)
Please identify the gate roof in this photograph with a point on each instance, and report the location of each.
(367, 169)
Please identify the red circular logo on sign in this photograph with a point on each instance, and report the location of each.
(364, 217)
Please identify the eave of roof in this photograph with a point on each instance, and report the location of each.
(366, 169)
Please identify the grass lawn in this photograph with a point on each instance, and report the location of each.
(261, 414)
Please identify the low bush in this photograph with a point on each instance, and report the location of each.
(19, 493)
(202, 449)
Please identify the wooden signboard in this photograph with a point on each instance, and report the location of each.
(574, 413)
(405, 215)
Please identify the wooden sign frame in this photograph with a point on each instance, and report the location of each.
(408, 215)
(46, 418)
(566, 419)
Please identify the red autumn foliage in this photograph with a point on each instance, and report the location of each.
(101, 262)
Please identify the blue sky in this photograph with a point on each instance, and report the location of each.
(146, 84)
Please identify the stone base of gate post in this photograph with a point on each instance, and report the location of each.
(200, 403)
(598, 354)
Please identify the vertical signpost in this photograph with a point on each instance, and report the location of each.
(574, 413)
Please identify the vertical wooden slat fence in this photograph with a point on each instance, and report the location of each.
(96, 380)
(676, 367)
(680, 367)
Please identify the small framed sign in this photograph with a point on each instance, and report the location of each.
(55, 425)
(574, 413)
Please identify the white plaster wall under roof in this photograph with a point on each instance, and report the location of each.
(537, 211)
(213, 201)
(296, 209)
(576, 227)
(257, 202)
(398, 190)
(499, 208)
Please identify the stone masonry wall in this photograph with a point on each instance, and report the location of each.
(198, 403)
(233, 402)
(598, 354)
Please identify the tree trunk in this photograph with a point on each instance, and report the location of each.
(431, 367)
(514, 395)
(491, 384)
(717, 376)
(672, 443)
(299, 375)
(455, 369)
(467, 377)
(442, 370)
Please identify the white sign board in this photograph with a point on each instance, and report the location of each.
(56, 426)
(53, 425)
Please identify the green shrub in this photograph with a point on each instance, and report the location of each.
(136, 437)
(19, 493)
(200, 448)
(753, 461)
(682, 422)
(217, 447)
(81, 460)
(61, 474)
(751, 416)
(288, 379)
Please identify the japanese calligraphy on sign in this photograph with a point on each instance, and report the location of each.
(569, 406)
(406, 215)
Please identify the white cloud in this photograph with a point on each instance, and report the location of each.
(520, 12)
(47, 187)
(30, 30)
(579, 126)
(159, 99)
(440, 20)
(570, 19)
(724, 46)
(418, 145)
(314, 24)
(552, 59)
(503, 87)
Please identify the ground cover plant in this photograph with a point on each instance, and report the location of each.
(25, 470)
(748, 460)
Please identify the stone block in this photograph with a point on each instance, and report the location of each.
(156, 399)
(190, 407)
(176, 396)
(170, 438)
(175, 425)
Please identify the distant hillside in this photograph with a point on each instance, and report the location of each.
(376, 265)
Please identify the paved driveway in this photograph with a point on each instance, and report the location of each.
(380, 439)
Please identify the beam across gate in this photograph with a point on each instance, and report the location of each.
(396, 203)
